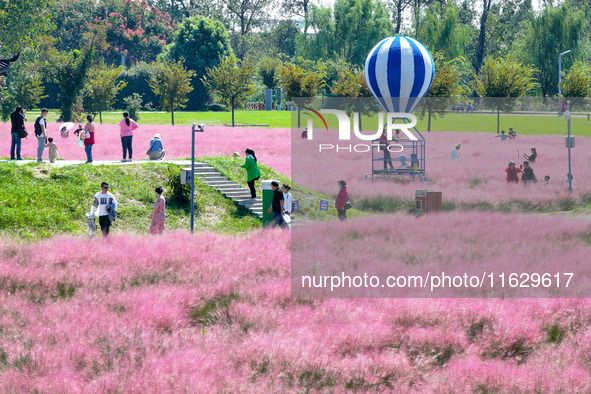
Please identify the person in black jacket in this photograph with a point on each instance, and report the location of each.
(17, 120)
(528, 174)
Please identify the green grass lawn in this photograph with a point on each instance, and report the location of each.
(464, 122)
(274, 119)
(475, 122)
(40, 201)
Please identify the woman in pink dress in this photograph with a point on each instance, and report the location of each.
(127, 126)
(158, 213)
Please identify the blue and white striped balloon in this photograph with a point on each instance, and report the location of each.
(399, 71)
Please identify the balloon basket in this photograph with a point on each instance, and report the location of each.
(400, 158)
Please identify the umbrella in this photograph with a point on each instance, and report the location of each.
(67, 125)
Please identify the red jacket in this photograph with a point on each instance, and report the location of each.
(513, 177)
(342, 199)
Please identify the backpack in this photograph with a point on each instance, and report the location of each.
(38, 130)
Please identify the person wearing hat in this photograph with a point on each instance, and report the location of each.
(156, 150)
(512, 172)
(341, 201)
(454, 153)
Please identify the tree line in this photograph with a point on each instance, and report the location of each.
(197, 54)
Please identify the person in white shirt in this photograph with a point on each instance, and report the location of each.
(454, 153)
(41, 133)
(286, 201)
(104, 202)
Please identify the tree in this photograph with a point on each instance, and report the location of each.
(24, 82)
(501, 80)
(247, 12)
(134, 29)
(577, 83)
(232, 81)
(102, 88)
(351, 83)
(201, 43)
(300, 83)
(359, 25)
(481, 46)
(356, 27)
(440, 31)
(172, 82)
(130, 28)
(555, 30)
(444, 87)
(269, 71)
(136, 78)
(70, 71)
(21, 22)
(298, 8)
(398, 7)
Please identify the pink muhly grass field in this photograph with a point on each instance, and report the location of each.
(479, 176)
(127, 315)
(272, 146)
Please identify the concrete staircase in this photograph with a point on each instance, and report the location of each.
(231, 190)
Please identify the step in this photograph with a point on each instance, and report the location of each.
(244, 193)
(227, 187)
(250, 204)
(209, 179)
(220, 183)
(201, 170)
(207, 174)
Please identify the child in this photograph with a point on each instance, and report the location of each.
(64, 133)
(53, 153)
(78, 130)
(547, 180)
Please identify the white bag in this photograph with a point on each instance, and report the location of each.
(80, 142)
(286, 218)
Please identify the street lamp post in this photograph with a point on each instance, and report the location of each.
(559, 80)
(567, 116)
(193, 131)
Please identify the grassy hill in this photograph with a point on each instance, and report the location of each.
(41, 201)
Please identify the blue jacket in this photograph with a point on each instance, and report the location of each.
(112, 212)
(156, 145)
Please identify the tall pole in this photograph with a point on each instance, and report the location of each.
(559, 81)
(570, 175)
(192, 178)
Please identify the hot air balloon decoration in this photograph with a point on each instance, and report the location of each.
(399, 72)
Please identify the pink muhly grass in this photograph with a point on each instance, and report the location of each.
(272, 146)
(135, 319)
(479, 176)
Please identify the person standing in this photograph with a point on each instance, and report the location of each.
(252, 171)
(341, 201)
(528, 174)
(105, 203)
(512, 172)
(127, 126)
(17, 120)
(454, 152)
(158, 213)
(384, 144)
(502, 136)
(287, 202)
(53, 152)
(88, 138)
(277, 206)
(41, 133)
(531, 158)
